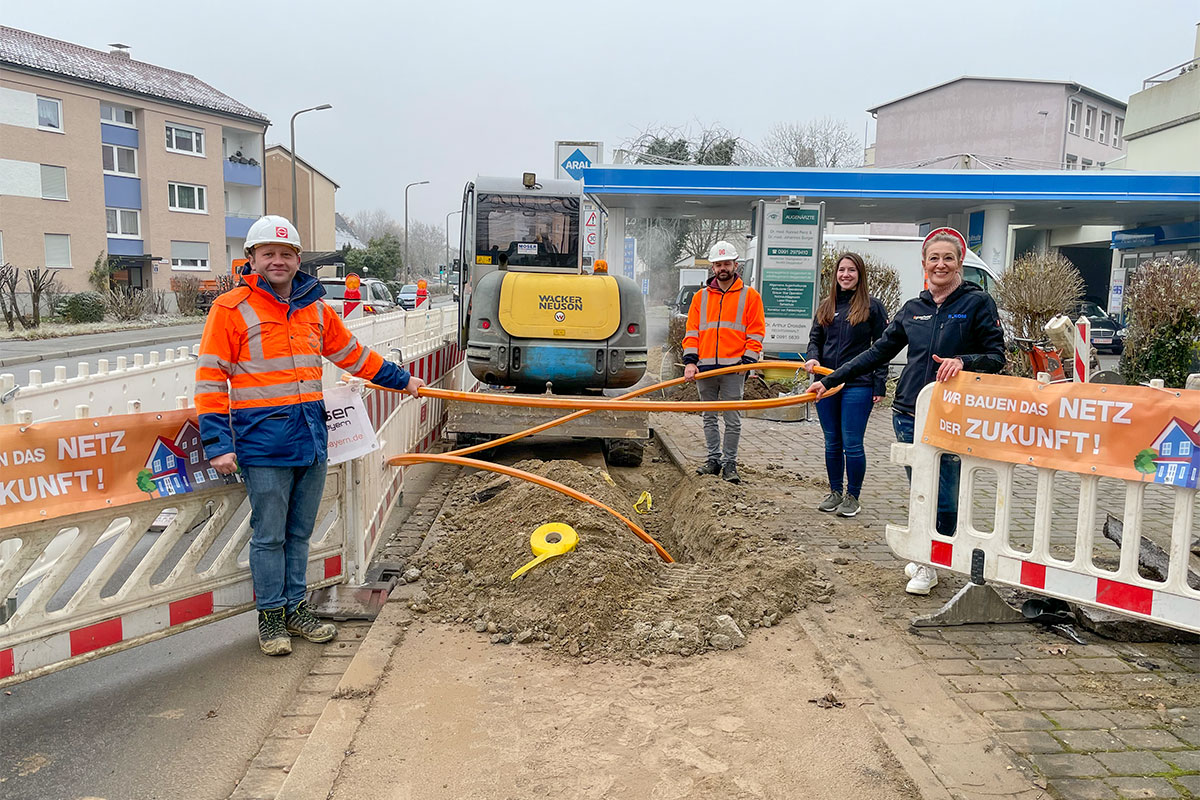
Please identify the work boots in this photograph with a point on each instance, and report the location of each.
(729, 473)
(710, 467)
(302, 622)
(273, 637)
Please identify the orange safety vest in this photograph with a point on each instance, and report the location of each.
(259, 372)
(724, 326)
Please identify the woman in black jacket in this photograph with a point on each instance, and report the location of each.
(847, 321)
(951, 326)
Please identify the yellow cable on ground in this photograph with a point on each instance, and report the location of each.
(585, 407)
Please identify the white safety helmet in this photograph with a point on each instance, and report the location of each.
(272, 229)
(722, 251)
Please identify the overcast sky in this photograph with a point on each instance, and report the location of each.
(443, 91)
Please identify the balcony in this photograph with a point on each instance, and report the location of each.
(243, 174)
(238, 225)
(122, 192)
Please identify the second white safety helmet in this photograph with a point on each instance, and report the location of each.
(722, 251)
(272, 229)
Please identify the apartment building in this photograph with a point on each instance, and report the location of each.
(999, 123)
(316, 218)
(101, 153)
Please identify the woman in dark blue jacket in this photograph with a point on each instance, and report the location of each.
(951, 326)
(847, 322)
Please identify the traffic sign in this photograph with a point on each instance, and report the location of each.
(645, 286)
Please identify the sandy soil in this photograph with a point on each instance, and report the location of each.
(458, 718)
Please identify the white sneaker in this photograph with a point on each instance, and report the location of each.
(910, 569)
(923, 579)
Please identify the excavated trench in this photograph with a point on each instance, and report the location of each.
(736, 567)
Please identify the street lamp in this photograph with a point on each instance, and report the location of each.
(407, 269)
(448, 216)
(295, 211)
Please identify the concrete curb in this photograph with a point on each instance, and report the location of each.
(320, 761)
(91, 350)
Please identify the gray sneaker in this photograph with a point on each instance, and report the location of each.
(849, 506)
(831, 502)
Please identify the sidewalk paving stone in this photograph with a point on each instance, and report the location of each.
(1043, 694)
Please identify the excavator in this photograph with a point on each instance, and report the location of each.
(534, 317)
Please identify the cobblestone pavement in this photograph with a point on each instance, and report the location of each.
(1105, 720)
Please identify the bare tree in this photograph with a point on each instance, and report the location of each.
(426, 248)
(824, 142)
(375, 224)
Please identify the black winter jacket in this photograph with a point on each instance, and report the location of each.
(965, 326)
(838, 342)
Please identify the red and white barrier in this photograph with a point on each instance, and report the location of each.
(991, 555)
(1083, 349)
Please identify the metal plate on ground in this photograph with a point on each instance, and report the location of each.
(341, 602)
(466, 417)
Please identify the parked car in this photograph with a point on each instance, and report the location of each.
(1107, 333)
(408, 296)
(376, 297)
(683, 300)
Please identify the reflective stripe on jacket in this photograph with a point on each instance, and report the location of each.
(724, 327)
(258, 381)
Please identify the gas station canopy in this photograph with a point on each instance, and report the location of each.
(1044, 198)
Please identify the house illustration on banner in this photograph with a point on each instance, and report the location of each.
(1178, 449)
(178, 466)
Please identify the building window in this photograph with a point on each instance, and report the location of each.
(50, 114)
(54, 182)
(186, 197)
(1072, 161)
(181, 139)
(189, 256)
(1165, 450)
(212, 474)
(123, 223)
(119, 160)
(1087, 163)
(1073, 118)
(1185, 448)
(194, 458)
(58, 250)
(198, 477)
(1105, 121)
(1118, 132)
(117, 115)
(1089, 123)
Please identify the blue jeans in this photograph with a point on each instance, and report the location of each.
(947, 499)
(844, 420)
(283, 512)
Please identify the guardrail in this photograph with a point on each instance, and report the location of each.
(95, 583)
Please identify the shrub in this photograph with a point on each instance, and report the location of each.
(1034, 290)
(83, 307)
(1162, 304)
(883, 281)
(156, 301)
(187, 294)
(126, 303)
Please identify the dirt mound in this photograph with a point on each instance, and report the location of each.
(613, 595)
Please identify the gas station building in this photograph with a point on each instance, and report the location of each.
(1105, 222)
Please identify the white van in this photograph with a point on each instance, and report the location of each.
(904, 253)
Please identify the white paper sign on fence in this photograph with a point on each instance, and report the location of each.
(350, 432)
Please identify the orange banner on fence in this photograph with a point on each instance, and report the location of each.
(53, 469)
(1130, 432)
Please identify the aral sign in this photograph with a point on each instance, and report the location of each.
(571, 158)
(789, 255)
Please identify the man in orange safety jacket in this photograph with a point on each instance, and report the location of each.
(725, 326)
(261, 408)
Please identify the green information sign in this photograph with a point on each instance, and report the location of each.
(788, 299)
(801, 216)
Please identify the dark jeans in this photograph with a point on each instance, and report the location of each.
(283, 511)
(844, 420)
(947, 499)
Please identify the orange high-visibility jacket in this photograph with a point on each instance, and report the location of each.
(258, 381)
(724, 328)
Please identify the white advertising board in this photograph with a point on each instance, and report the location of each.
(789, 271)
(570, 158)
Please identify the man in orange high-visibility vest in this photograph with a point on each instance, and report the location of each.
(725, 326)
(261, 407)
